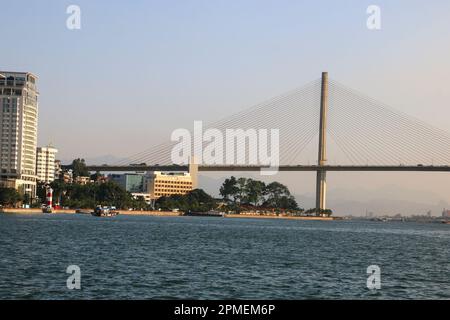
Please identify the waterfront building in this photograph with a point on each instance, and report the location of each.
(58, 169)
(18, 131)
(147, 197)
(168, 183)
(46, 163)
(131, 182)
(82, 180)
(446, 213)
(66, 176)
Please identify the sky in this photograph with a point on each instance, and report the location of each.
(137, 70)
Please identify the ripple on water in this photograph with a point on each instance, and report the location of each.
(129, 257)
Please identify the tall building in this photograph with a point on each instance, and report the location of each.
(46, 163)
(58, 169)
(165, 184)
(18, 131)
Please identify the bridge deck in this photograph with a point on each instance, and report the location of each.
(419, 168)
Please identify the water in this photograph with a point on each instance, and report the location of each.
(131, 257)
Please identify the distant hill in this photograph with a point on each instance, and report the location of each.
(99, 160)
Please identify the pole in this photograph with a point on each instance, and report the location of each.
(321, 184)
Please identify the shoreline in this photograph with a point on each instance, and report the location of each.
(232, 215)
(165, 214)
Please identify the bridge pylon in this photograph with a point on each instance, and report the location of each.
(321, 182)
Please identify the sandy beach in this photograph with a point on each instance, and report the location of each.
(164, 214)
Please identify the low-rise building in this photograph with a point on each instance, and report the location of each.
(131, 182)
(82, 180)
(66, 176)
(161, 184)
(147, 197)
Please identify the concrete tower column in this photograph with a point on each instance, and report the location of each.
(321, 184)
(193, 171)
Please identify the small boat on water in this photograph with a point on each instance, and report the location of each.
(47, 209)
(211, 213)
(100, 211)
(81, 211)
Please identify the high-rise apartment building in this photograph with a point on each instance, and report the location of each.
(46, 163)
(18, 131)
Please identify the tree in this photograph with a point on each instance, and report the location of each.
(111, 194)
(199, 200)
(59, 191)
(229, 189)
(41, 192)
(139, 203)
(26, 199)
(95, 176)
(79, 168)
(274, 192)
(195, 200)
(241, 194)
(90, 195)
(9, 197)
(254, 191)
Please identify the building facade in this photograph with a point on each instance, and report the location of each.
(18, 131)
(131, 182)
(161, 184)
(58, 169)
(83, 180)
(46, 163)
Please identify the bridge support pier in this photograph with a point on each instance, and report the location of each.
(321, 184)
(193, 171)
(321, 190)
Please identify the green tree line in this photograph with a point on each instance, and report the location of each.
(241, 192)
(90, 195)
(196, 200)
(9, 197)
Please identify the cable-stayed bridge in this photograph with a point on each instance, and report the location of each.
(323, 126)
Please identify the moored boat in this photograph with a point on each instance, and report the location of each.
(100, 211)
(211, 213)
(47, 209)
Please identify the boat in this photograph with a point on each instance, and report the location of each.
(100, 211)
(47, 209)
(211, 213)
(80, 211)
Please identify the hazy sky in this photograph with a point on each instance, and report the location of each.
(139, 69)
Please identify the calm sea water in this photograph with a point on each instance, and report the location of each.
(129, 257)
